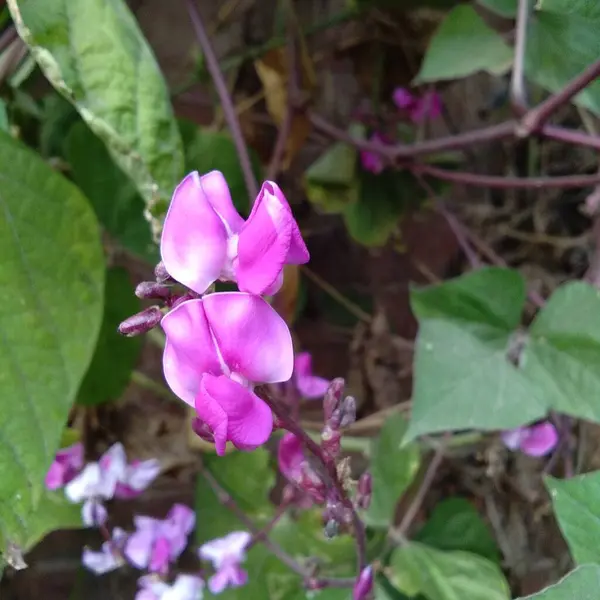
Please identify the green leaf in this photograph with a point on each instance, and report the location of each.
(115, 357)
(51, 277)
(438, 575)
(590, 9)
(393, 468)
(464, 45)
(580, 584)
(247, 477)
(455, 524)
(577, 507)
(94, 53)
(117, 203)
(4, 124)
(506, 8)
(559, 47)
(207, 150)
(463, 378)
(56, 118)
(331, 182)
(382, 200)
(563, 352)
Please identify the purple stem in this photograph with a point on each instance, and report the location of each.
(212, 64)
(330, 469)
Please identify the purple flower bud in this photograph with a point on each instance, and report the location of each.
(161, 274)
(203, 431)
(174, 301)
(364, 584)
(153, 290)
(348, 410)
(142, 322)
(365, 490)
(331, 441)
(333, 397)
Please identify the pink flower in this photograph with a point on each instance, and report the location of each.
(226, 554)
(109, 557)
(185, 587)
(217, 348)
(205, 239)
(109, 477)
(309, 385)
(535, 440)
(294, 466)
(155, 543)
(428, 106)
(364, 584)
(66, 465)
(371, 161)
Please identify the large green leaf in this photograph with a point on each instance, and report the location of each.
(506, 8)
(464, 45)
(382, 199)
(563, 352)
(463, 378)
(560, 46)
(438, 575)
(582, 583)
(455, 524)
(577, 507)
(51, 277)
(118, 204)
(115, 356)
(590, 9)
(392, 468)
(207, 150)
(94, 53)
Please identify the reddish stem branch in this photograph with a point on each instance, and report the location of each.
(212, 64)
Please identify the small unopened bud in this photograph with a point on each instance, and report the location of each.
(153, 290)
(331, 529)
(348, 411)
(202, 430)
(364, 491)
(174, 301)
(142, 322)
(333, 397)
(161, 274)
(364, 584)
(331, 441)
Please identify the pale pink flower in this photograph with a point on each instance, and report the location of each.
(156, 543)
(310, 386)
(67, 463)
(536, 440)
(111, 476)
(217, 349)
(371, 161)
(204, 238)
(185, 587)
(109, 557)
(226, 555)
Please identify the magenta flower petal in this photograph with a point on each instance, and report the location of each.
(55, 478)
(402, 98)
(190, 350)
(159, 556)
(303, 364)
(193, 245)
(253, 339)
(541, 439)
(264, 243)
(217, 191)
(290, 456)
(312, 387)
(234, 413)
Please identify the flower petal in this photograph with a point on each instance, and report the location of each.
(402, 98)
(189, 350)
(93, 513)
(290, 456)
(253, 339)
(249, 421)
(139, 476)
(100, 562)
(217, 192)
(185, 587)
(84, 485)
(303, 364)
(193, 245)
(264, 243)
(210, 411)
(159, 557)
(541, 439)
(512, 438)
(113, 463)
(55, 477)
(138, 547)
(312, 386)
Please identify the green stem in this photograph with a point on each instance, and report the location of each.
(149, 384)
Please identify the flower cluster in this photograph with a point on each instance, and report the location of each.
(220, 345)
(111, 477)
(412, 107)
